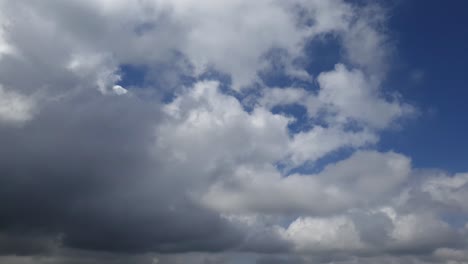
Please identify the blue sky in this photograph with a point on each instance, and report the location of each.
(432, 40)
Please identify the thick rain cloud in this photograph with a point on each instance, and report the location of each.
(83, 170)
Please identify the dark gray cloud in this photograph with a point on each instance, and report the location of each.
(83, 170)
(26, 243)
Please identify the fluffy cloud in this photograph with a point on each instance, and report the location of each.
(338, 187)
(353, 97)
(450, 191)
(14, 107)
(202, 160)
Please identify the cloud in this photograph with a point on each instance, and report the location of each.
(330, 234)
(195, 163)
(98, 189)
(15, 107)
(344, 185)
(353, 97)
(208, 34)
(119, 90)
(449, 191)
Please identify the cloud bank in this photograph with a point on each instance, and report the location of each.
(240, 143)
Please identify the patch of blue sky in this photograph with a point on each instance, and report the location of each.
(160, 78)
(432, 76)
(301, 122)
(455, 218)
(144, 28)
(133, 75)
(315, 167)
(224, 79)
(276, 75)
(322, 54)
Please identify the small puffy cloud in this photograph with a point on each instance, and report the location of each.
(351, 96)
(119, 90)
(15, 107)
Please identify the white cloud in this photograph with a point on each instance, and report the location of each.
(364, 179)
(15, 107)
(324, 235)
(320, 141)
(346, 233)
(452, 191)
(209, 128)
(353, 96)
(119, 90)
(413, 231)
(207, 33)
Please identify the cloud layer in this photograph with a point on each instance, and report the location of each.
(205, 159)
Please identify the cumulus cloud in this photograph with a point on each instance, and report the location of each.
(353, 97)
(338, 187)
(15, 107)
(203, 160)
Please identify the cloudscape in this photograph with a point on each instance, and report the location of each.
(232, 132)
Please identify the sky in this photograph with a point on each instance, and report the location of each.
(234, 131)
(437, 51)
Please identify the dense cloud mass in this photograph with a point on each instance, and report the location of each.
(153, 131)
